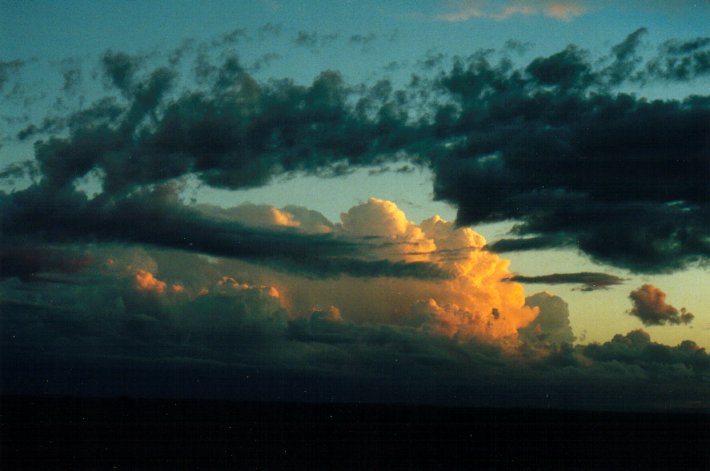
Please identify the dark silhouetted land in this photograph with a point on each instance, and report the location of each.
(81, 433)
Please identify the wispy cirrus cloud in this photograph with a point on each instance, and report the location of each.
(500, 11)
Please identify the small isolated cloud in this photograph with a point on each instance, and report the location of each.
(363, 41)
(9, 69)
(313, 40)
(232, 37)
(650, 306)
(270, 30)
(590, 281)
(562, 11)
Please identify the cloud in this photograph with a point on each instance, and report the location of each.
(522, 141)
(313, 40)
(551, 326)
(590, 281)
(72, 73)
(375, 265)
(363, 40)
(679, 61)
(238, 334)
(500, 11)
(650, 306)
(157, 217)
(120, 69)
(264, 61)
(270, 30)
(626, 57)
(471, 302)
(548, 144)
(565, 11)
(529, 243)
(651, 359)
(30, 263)
(8, 70)
(233, 37)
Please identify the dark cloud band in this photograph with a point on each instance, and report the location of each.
(549, 144)
(590, 281)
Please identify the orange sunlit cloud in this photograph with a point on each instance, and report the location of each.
(145, 281)
(474, 302)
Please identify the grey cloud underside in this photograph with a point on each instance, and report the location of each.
(550, 144)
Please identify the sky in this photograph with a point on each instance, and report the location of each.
(494, 203)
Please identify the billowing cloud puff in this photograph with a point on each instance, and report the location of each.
(473, 301)
(145, 281)
(551, 326)
(650, 306)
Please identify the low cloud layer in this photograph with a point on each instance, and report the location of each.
(651, 308)
(161, 324)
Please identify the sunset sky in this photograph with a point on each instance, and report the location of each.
(453, 202)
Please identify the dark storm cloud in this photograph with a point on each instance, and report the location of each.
(651, 358)
(48, 125)
(19, 170)
(28, 262)
(568, 69)
(529, 243)
(432, 60)
(679, 61)
(626, 58)
(120, 69)
(623, 178)
(650, 306)
(238, 136)
(158, 218)
(548, 144)
(519, 47)
(590, 281)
